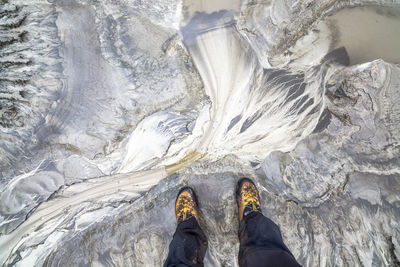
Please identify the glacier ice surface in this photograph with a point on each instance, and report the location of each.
(109, 107)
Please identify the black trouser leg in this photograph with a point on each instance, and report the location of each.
(188, 245)
(261, 243)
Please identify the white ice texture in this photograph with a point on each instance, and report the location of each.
(108, 107)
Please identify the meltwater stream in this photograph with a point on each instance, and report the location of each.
(193, 105)
(251, 111)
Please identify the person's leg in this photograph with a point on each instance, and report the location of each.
(189, 243)
(260, 239)
(261, 243)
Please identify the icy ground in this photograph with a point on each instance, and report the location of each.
(108, 107)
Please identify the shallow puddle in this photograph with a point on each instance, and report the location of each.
(191, 7)
(367, 33)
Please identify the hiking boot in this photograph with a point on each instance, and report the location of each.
(186, 205)
(247, 197)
